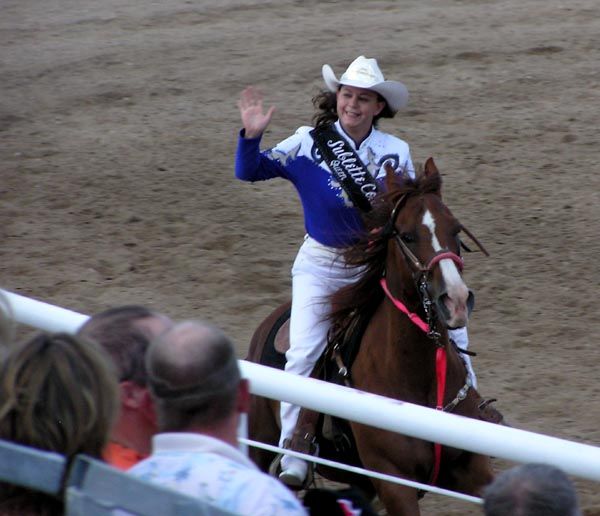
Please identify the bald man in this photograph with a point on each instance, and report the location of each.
(199, 396)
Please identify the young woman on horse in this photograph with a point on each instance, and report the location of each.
(336, 169)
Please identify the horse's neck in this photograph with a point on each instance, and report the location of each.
(402, 330)
(397, 359)
(394, 342)
(403, 288)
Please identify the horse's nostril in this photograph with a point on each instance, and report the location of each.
(442, 306)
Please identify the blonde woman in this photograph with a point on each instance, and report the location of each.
(57, 393)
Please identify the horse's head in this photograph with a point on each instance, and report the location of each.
(427, 250)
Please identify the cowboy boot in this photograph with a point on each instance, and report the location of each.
(295, 471)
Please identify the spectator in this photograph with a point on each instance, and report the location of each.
(199, 396)
(125, 333)
(531, 490)
(57, 393)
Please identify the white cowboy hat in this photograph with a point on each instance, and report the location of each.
(365, 73)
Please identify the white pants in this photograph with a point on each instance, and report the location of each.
(317, 272)
(461, 337)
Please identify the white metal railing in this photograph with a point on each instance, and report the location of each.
(365, 472)
(582, 460)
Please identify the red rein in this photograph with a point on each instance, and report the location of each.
(402, 307)
(440, 358)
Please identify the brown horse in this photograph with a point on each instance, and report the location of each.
(410, 257)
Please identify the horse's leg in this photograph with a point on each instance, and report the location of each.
(263, 427)
(398, 500)
(263, 417)
(396, 455)
(469, 475)
(463, 470)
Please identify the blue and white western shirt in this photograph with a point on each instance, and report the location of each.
(329, 215)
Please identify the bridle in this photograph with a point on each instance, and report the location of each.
(391, 231)
(434, 260)
(422, 272)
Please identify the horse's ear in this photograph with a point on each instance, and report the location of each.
(430, 168)
(431, 172)
(394, 178)
(390, 177)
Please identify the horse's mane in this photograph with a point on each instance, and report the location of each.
(370, 250)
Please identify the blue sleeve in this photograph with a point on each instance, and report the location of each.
(251, 164)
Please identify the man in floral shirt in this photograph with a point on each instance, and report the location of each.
(199, 395)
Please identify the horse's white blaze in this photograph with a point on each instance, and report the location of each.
(449, 269)
(456, 289)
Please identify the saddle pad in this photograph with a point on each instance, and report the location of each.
(270, 356)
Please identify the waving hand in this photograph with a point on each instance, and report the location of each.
(254, 119)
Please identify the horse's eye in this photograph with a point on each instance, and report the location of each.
(408, 238)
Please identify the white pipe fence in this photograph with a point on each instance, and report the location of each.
(582, 460)
(365, 472)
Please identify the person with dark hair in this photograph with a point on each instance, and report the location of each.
(337, 168)
(199, 396)
(125, 332)
(531, 490)
(57, 393)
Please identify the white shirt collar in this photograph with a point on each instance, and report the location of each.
(198, 443)
(347, 137)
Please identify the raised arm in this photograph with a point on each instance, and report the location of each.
(254, 119)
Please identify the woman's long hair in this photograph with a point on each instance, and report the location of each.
(57, 393)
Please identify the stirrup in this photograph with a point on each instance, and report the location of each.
(275, 469)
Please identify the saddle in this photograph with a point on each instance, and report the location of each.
(316, 433)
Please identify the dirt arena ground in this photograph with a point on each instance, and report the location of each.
(118, 125)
